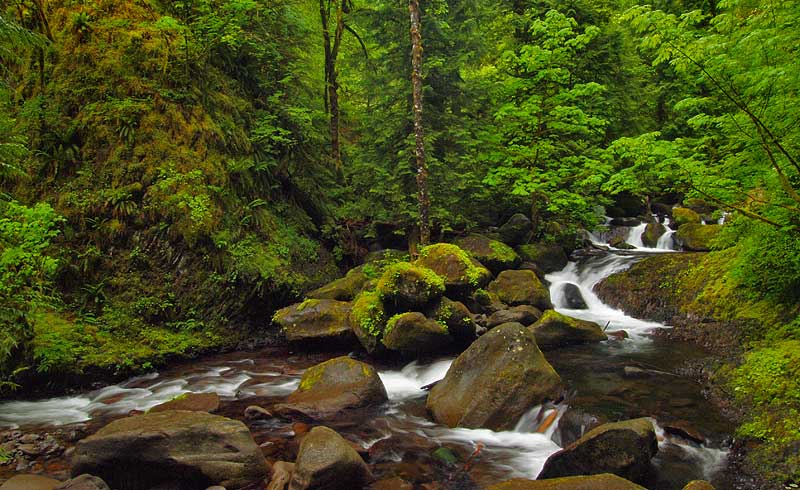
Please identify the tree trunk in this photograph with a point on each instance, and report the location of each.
(422, 167)
(331, 95)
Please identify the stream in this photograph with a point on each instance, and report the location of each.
(610, 381)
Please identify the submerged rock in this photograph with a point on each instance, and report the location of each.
(177, 449)
(405, 286)
(622, 448)
(462, 274)
(497, 256)
(524, 314)
(494, 382)
(342, 289)
(333, 386)
(414, 334)
(316, 320)
(556, 330)
(521, 288)
(327, 462)
(594, 482)
(193, 402)
(549, 257)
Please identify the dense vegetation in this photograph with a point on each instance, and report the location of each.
(173, 171)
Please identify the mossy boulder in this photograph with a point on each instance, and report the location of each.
(494, 382)
(622, 448)
(485, 302)
(548, 256)
(455, 316)
(175, 449)
(521, 288)
(497, 256)
(524, 314)
(414, 334)
(368, 320)
(604, 481)
(698, 485)
(652, 233)
(324, 321)
(620, 243)
(555, 330)
(684, 216)
(699, 206)
(517, 230)
(326, 461)
(342, 289)
(696, 237)
(387, 256)
(193, 402)
(462, 274)
(339, 384)
(81, 482)
(405, 286)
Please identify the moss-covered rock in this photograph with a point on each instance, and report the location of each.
(495, 255)
(620, 243)
(622, 448)
(696, 237)
(485, 302)
(462, 273)
(368, 320)
(414, 334)
(326, 461)
(494, 382)
(317, 320)
(339, 384)
(524, 314)
(342, 289)
(548, 256)
(652, 233)
(192, 402)
(555, 330)
(698, 485)
(684, 216)
(521, 288)
(517, 230)
(455, 316)
(593, 482)
(405, 286)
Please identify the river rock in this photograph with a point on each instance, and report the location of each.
(573, 297)
(684, 216)
(406, 287)
(621, 243)
(455, 315)
(462, 274)
(517, 230)
(30, 482)
(342, 289)
(193, 402)
(622, 448)
(395, 483)
(368, 320)
(496, 256)
(178, 449)
(281, 475)
(323, 320)
(549, 257)
(698, 485)
(333, 386)
(555, 330)
(494, 382)
(523, 314)
(83, 482)
(521, 288)
(696, 237)
(686, 430)
(603, 481)
(652, 233)
(327, 462)
(414, 334)
(254, 412)
(573, 425)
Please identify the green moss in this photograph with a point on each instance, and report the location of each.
(425, 280)
(682, 216)
(503, 252)
(308, 303)
(473, 274)
(368, 313)
(392, 323)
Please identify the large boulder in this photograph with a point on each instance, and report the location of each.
(699, 485)
(622, 448)
(684, 216)
(327, 462)
(414, 334)
(497, 256)
(652, 233)
(517, 230)
(696, 237)
(455, 315)
(494, 382)
(338, 384)
(83, 482)
(405, 286)
(30, 482)
(322, 320)
(342, 289)
(368, 320)
(549, 257)
(178, 450)
(193, 402)
(462, 274)
(594, 482)
(521, 288)
(573, 297)
(523, 314)
(555, 330)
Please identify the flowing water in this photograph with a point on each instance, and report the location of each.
(610, 381)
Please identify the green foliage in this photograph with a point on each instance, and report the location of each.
(425, 280)
(369, 314)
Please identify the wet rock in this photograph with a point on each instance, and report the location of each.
(594, 482)
(521, 288)
(496, 256)
(523, 314)
(684, 429)
(177, 449)
(652, 233)
(338, 384)
(462, 274)
(368, 320)
(681, 402)
(30, 482)
(555, 330)
(621, 243)
(549, 257)
(617, 335)
(29, 438)
(455, 315)
(413, 334)
(83, 482)
(573, 425)
(254, 412)
(408, 287)
(494, 382)
(573, 297)
(192, 402)
(698, 485)
(395, 483)
(622, 448)
(343, 289)
(327, 462)
(697, 237)
(281, 475)
(317, 320)
(486, 302)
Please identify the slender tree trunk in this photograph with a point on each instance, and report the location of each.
(331, 95)
(326, 38)
(422, 166)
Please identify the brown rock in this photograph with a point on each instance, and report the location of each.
(83, 482)
(192, 402)
(254, 412)
(30, 482)
(521, 288)
(317, 320)
(594, 482)
(555, 330)
(327, 462)
(281, 475)
(698, 485)
(523, 314)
